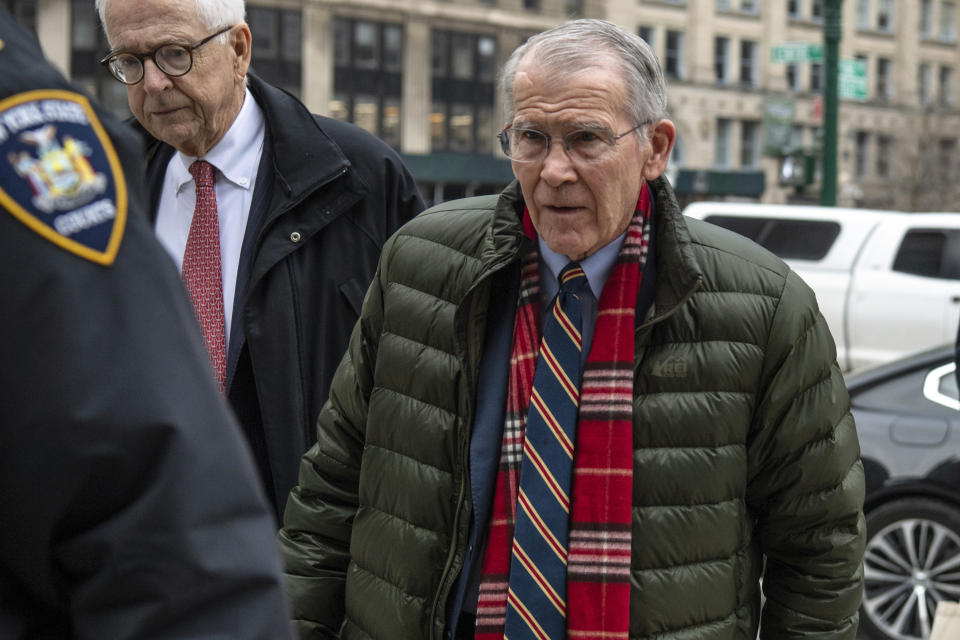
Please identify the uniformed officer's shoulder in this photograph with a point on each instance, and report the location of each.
(60, 175)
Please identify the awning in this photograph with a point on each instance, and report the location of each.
(453, 167)
(720, 183)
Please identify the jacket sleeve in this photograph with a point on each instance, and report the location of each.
(315, 538)
(806, 484)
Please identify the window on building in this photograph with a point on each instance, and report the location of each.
(721, 59)
(749, 144)
(678, 157)
(722, 151)
(795, 8)
(926, 18)
(796, 137)
(948, 21)
(946, 86)
(368, 75)
(464, 66)
(860, 154)
(749, 6)
(531, 5)
(724, 5)
(884, 86)
(748, 63)
(885, 14)
(863, 14)
(486, 59)
(924, 85)
(793, 77)
(646, 33)
(275, 50)
(461, 55)
(864, 63)
(816, 77)
(673, 63)
(884, 155)
(87, 46)
(574, 8)
(947, 159)
(816, 10)
(23, 11)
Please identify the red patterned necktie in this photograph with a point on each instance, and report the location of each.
(201, 268)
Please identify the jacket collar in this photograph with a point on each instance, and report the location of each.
(678, 272)
(299, 168)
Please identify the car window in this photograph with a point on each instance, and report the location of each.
(787, 238)
(940, 386)
(934, 253)
(800, 239)
(930, 391)
(747, 227)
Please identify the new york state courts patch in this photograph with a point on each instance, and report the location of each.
(59, 173)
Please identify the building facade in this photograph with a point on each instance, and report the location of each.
(745, 82)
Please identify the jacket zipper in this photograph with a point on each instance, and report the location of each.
(444, 588)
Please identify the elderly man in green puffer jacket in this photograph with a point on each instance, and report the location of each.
(714, 444)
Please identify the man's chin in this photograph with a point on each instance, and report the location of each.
(573, 248)
(173, 135)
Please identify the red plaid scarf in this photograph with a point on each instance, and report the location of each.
(598, 564)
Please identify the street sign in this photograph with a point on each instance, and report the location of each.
(852, 79)
(793, 52)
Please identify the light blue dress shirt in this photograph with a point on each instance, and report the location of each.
(597, 268)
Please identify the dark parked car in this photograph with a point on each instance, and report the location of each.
(908, 420)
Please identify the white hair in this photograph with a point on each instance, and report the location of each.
(577, 45)
(214, 14)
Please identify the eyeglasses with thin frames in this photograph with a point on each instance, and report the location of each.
(174, 60)
(584, 145)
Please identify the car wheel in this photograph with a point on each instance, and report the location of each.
(912, 562)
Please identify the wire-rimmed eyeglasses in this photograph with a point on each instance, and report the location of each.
(521, 144)
(173, 59)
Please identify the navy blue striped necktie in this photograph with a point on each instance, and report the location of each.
(537, 593)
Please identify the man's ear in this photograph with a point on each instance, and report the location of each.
(240, 40)
(661, 136)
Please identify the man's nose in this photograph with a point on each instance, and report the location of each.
(154, 80)
(557, 167)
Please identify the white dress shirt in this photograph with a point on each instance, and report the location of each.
(236, 159)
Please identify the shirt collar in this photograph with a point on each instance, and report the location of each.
(237, 155)
(597, 266)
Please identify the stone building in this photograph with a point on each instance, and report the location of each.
(745, 80)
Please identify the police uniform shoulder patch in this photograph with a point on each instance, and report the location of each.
(59, 173)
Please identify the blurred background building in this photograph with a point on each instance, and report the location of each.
(745, 84)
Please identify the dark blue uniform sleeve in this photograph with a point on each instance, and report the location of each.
(129, 505)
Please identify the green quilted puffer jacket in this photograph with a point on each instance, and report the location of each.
(746, 460)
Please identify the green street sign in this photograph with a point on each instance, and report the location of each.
(793, 52)
(852, 79)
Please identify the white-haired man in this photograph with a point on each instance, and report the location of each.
(276, 216)
(589, 418)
